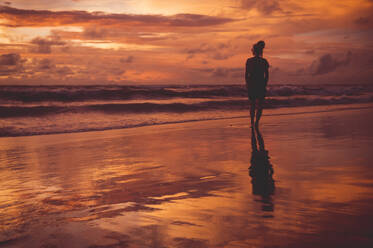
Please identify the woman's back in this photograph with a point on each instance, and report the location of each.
(256, 69)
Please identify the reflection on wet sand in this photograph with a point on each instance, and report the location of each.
(261, 171)
(187, 186)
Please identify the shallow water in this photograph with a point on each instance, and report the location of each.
(188, 185)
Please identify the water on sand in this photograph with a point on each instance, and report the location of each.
(189, 185)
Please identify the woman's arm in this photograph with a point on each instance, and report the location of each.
(247, 72)
(266, 74)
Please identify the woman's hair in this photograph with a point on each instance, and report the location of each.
(258, 48)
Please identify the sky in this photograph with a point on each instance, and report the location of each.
(138, 42)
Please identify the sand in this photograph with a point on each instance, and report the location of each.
(189, 185)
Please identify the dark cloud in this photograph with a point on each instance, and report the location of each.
(44, 45)
(266, 7)
(355, 66)
(228, 72)
(22, 17)
(119, 34)
(11, 63)
(129, 59)
(202, 48)
(327, 63)
(64, 70)
(274, 70)
(362, 21)
(224, 72)
(45, 65)
(299, 72)
(94, 33)
(221, 56)
(220, 72)
(9, 59)
(218, 51)
(117, 71)
(189, 20)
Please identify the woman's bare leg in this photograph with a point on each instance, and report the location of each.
(252, 112)
(259, 111)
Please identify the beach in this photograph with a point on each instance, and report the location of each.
(189, 184)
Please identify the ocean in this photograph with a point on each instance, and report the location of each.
(37, 110)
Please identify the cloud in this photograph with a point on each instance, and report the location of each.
(327, 63)
(44, 45)
(221, 56)
(266, 7)
(362, 21)
(223, 72)
(47, 67)
(45, 64)
(304, 43)
(220, 72)
(94, 33)
(202, 48)
(220, 51)
(128, 60)
(42, 18)
(11, 63)
(9, 59)
(116, 71)
(64, 70)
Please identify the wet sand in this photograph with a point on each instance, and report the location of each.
(189, 185)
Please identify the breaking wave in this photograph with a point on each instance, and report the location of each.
(33, 110)
(29, 94)
(148, 107)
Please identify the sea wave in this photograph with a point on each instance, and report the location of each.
(29, 94)
(33, 110)
(151, 107)
(75, 122)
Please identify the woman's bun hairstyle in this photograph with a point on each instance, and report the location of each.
(258, 47)
(261, 44)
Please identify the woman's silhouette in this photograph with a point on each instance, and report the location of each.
(256, 76)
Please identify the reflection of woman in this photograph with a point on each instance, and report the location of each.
(261, 171)
(256, 76)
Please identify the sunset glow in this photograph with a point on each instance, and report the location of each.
(184, 42)
(187, 123)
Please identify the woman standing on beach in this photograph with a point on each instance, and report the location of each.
(256, 76)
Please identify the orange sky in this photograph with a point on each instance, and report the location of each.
(184, 41)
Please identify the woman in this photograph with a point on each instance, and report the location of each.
(256, 77)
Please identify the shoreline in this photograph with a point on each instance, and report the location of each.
(273, 112)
